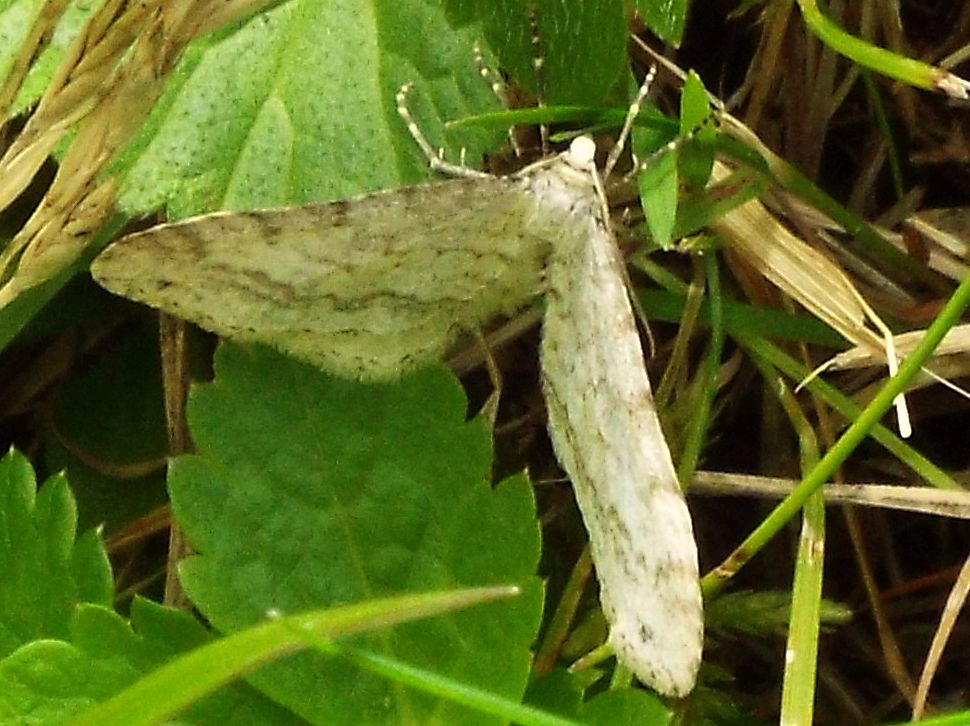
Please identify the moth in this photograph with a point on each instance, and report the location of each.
(371, 286)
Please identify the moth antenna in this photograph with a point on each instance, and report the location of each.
(539, 66)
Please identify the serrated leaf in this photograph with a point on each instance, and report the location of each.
(183, 681)
(298, 105)
(48, 682)
(309, 491)
(46, 570)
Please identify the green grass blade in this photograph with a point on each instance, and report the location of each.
(184, 680)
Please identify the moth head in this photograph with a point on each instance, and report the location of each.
(582, 152)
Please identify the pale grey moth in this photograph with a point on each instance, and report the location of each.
(373, 285)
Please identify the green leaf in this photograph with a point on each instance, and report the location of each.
(47, 682)
(665, 18)
(47, 570)
(659, 180)
(688, 159)
(658, 184)
(16, 20)
(292, 106)
(182, 681)
(309, 491)
(559, 691)
(583, 44)
(628, 706)
(298, 105)
(109, 419)
(696, 156)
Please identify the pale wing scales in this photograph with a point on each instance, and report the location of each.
(608, 438)
(366, 287)
(374, 285)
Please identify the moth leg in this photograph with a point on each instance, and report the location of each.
(539, 66)
(632, 112)
(490, 407)
(435, 158)
(499, 89)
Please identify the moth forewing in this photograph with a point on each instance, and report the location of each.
(606, 434)
(365, 287)
(373, 285)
